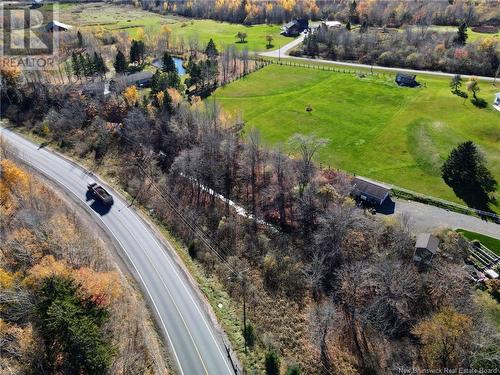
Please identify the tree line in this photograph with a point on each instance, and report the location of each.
(374, 12)
(415, 47)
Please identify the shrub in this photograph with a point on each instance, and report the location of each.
(193, 249)
(293, 369)
(249, 335)
(272, 363)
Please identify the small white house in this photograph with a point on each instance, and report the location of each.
(330, 24)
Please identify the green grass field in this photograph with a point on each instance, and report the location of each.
(472, 35)
(491, 243)
(114, 18)
(375, 128)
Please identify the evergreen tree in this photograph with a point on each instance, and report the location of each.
(82, 61)
(364, 27)
(194, 71)
(348, 26)
(155, 83)
(462, 36)
(249, 335)
(173, 80)
(168, 63)
(120, 63)
(456, 84)
(137, 50)
(99, 65)
(72, 328)
(466, 166)
(75, 64)
(167, 103)
(311, 45)
(89, 66)
(293, 370)
(79, 37)
(272, 362)
(211, 50)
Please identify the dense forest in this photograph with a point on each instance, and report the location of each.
(330, 288)
(373, 12)
(64, 307)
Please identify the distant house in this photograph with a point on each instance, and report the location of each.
(407, 80)
(426, 247)
(96, 89)
(295, 27)
(140, 80)
(369, 192)
(331, 24)
(57, 26)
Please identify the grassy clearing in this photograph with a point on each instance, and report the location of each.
(115, 18)
(491, 243)
(375, 128)
(472, 35)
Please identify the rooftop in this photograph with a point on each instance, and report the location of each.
(427, 241)
(361, 186)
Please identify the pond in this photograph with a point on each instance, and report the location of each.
(178, 64)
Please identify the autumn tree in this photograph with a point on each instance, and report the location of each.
(269, 39)
(131, 95)
(241, 36)
(473, 86)
(445, 338)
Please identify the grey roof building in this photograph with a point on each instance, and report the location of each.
(408, 80)
(426, 247)
(369, 191)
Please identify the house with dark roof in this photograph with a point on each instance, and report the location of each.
(369, 192)
(295, 27)
(426, 247)
(407, 80)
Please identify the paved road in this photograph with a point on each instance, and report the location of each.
(283, 52)
(427, 218)
(196, 345)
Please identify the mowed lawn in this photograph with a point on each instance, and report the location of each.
(129, 19)
(374, 128)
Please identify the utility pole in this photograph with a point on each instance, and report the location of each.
(244, 285)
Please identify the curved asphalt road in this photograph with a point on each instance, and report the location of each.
(196, 345)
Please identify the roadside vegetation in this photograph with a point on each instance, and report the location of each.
(64, 307)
